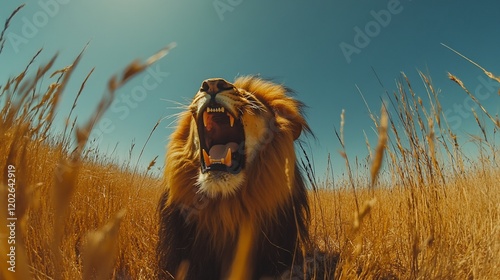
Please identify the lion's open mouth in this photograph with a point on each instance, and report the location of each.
(221, 140)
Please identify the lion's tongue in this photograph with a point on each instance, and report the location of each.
(220, 154)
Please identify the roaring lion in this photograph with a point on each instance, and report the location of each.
(231, 171)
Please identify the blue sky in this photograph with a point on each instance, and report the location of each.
(321, 49)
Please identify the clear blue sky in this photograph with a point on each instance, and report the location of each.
(314, 47)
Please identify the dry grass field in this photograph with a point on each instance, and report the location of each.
(430, 212)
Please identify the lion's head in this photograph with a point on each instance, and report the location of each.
(231, 162)
(237, 129)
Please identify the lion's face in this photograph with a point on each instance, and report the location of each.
(232, 126)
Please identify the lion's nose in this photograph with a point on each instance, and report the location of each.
(214, 86)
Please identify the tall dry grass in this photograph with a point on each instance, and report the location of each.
(435, 212)
(72, 208)
(421, 209)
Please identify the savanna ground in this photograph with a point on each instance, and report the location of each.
(431, 212)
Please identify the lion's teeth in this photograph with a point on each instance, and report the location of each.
(216, 110)
(227, 159)
(231, 119)
(206, 158)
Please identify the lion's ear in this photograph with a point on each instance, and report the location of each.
(299, 124)
(295, 121)
(296, 130)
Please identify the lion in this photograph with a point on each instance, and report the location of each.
(231, 170)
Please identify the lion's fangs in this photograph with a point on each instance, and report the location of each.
(227, 160)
